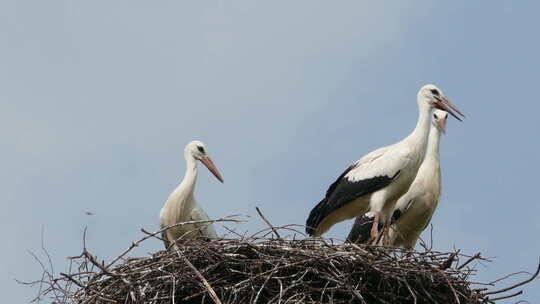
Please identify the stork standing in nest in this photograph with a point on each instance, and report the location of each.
(414, 210)
(376, 181)
(181, 205)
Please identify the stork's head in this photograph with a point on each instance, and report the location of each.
(439, 120)
(198, 151)
(435, 98)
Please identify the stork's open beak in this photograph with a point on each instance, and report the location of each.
(444, 104)
(207, 161)
(442, 125)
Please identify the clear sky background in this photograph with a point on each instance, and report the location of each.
(98, 99)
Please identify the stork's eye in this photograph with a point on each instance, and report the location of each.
(435, 92)
(201, 149)
(435, 116)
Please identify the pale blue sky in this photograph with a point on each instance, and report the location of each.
(98, 99)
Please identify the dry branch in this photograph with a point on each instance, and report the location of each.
(262, 270)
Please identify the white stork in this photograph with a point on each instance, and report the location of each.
(377, 180)
(413, 211)
(181, 205)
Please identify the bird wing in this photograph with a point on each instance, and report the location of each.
(417, 191)
(368, 158)
(371, 173)
(361, 229)
(430, 216)
(207, 229)
(402, 205)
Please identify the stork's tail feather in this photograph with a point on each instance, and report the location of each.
(361, 229)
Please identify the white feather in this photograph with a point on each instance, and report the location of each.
(207, 229)
(419, 203)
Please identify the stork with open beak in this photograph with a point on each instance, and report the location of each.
(181, 205)
(375, 182)
(413, 211)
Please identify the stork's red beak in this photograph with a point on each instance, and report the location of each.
(444, 104)
(207, 161)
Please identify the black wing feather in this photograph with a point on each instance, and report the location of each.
(334, 185)
(342, 192)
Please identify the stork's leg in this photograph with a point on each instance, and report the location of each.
(375, 228)
(386, 234)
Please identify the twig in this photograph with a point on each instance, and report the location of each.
(517, 284)
(411, 291)
(451, 287)
(474, 257)
(135, 244)
(211, 291)
(45, 250)
(509, 276)
(267, 222)
(103, 268)
(446, 264)
(67, 276)
(431, 237)
(508, 296)
(152, 234)
(359, 295)
(262, 287)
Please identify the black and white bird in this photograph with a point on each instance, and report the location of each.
(377, 180)
(413, 211)
(181, 205)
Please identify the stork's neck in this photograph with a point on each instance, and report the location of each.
(419, 136)
(432, 151)
(181, 202)
(430, 170)
(190, 178)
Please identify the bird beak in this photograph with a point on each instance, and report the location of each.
(444, 104)
(207, 161)
(442, 125)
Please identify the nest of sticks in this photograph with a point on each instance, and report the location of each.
(266, 268)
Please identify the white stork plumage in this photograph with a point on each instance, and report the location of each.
(413, 211)
(181, 205)
(377, 180)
